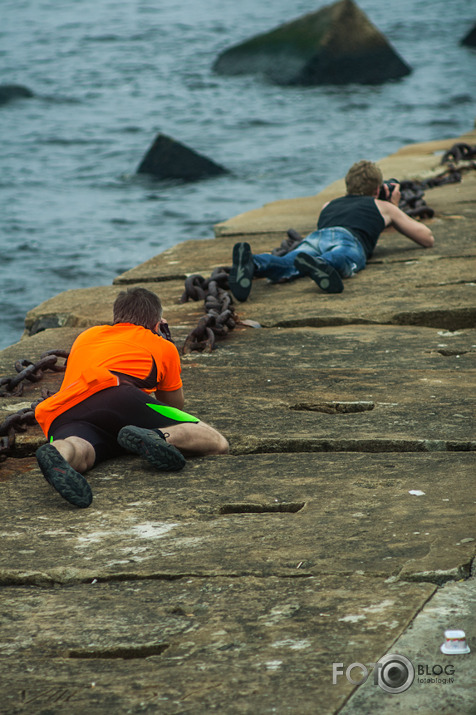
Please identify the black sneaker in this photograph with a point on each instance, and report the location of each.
(321, 272)
(242, 271)
(67, 481)
(152, 445)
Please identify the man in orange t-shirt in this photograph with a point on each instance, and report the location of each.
(121, 388)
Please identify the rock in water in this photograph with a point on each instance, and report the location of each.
(168, 159)
(335, 45)
(9, 92)
(470, 39)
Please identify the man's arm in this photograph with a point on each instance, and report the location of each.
(172, 398)
(393, 216)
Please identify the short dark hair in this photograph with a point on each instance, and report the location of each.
(138, 306)
(363, 178)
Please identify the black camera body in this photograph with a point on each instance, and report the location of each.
(385, 194)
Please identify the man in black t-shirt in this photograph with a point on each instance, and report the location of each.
(347, 232)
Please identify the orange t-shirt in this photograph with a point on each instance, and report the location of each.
(104, 355)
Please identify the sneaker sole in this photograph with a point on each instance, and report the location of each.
(241, 274)
(323, 274)
(151, 446)
(67, 481)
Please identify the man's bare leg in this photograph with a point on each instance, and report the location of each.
(77, 452)
(196, 439)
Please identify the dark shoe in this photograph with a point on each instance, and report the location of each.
(321, 272)
(151, 444)
(67, 481)
(242, 271)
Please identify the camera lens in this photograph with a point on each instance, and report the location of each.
(396, 673)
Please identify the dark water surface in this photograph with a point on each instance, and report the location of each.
(107, 76)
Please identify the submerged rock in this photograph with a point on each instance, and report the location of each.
(168, 159)
(335, 45)
(470, 39)
(9, 92)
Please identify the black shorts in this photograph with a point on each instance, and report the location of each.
(99, 418)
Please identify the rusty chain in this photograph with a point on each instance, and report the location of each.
(18, 422)
(412, 192)
(459, 152)
(412, 201)
(292, 241)
(220, 315)
(33, 372)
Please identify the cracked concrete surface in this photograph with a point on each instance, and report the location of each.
(339, 530)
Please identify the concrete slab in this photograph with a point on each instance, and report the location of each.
(268, 514)
(196, 645)
(442, 682)
(85, 307)
(291, 388)
(420, 288)
(302, 389)
(184, 259)
(417, 291)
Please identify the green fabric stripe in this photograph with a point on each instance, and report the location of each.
(172, 413)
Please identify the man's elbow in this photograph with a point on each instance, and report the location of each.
(178, 401)
(426, 238)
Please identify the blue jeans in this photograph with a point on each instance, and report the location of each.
(337, 246)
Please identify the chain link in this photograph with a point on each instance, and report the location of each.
(18, 422)
(220, 315)
(13, 386)
(459, 152)
(33, 372)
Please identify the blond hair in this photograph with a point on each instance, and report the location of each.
(363, 178)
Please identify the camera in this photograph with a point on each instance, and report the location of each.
(386, 190)
(164, 330)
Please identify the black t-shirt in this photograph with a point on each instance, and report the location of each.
(359, 215)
